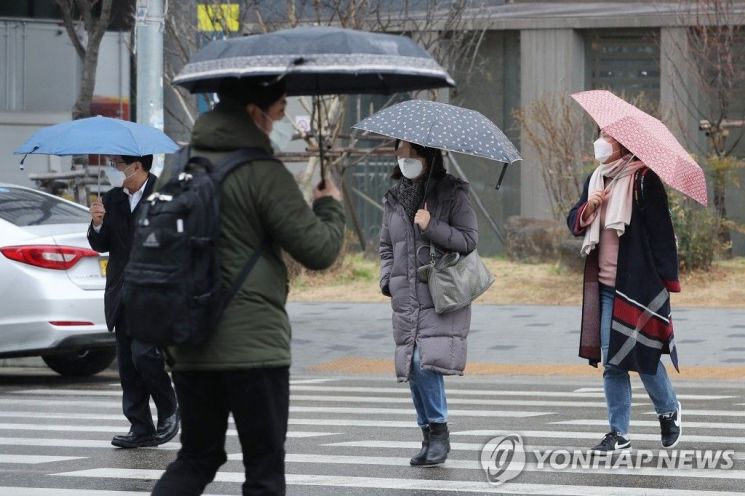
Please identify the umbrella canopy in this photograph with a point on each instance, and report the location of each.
(317, 61)
(443, 126)
(648, 139)
(98, 135)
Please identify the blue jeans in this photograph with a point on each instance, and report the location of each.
(616, 381)
(428, 392)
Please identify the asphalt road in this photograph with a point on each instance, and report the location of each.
(353, 436)
(352, 428)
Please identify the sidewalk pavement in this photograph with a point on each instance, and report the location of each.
(356, 338)
(506, 340)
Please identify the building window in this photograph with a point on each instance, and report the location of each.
(626, 62)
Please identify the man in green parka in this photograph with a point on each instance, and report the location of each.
(243, 368)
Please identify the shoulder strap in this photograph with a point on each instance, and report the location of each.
(238, 282)
(237, 158)
(221, 171)
(181, 161)
(639, 187)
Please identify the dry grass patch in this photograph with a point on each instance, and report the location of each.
(355, 279)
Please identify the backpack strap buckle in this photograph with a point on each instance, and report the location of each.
(156, 197)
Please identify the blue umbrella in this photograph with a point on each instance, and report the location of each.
(98, 135)
(443, 126)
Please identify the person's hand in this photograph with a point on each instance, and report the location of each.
(329, 189)
(594, 201)
(422, 218)
(97, 212)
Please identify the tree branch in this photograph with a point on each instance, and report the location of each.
(66, 7)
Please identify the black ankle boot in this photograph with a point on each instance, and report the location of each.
(439, 445)
(420, 457)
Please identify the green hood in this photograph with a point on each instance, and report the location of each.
(226, 128)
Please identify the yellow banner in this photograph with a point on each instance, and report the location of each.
(218, 17)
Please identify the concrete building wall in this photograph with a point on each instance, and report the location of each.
(495, 92)
(551, 61)
(39, 85)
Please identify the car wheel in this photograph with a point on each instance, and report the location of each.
(81, 363)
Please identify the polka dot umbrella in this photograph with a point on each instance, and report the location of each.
(443, 126)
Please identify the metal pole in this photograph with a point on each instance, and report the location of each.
(149, 23)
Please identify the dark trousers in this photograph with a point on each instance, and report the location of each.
(259, 400)
(142, 376)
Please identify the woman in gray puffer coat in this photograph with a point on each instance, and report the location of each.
(426, 205)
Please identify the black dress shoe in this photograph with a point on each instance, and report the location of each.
(133, 440)
(167, 428)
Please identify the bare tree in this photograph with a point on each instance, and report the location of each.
(95, 16)
(554, 127)
(713, 57)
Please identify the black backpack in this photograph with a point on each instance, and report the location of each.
(173, 290)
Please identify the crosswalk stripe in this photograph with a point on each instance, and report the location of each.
(654, 423)
(415, 445)
(529, 467)
(312, 381)
(461, 446)
(412, 484)
(114, 428)
(409, 445)
(297, 409)
(593, 435)
(452, 392)
(51, 491)
(410, 411)
(71, 443)
(292, 421)
(35, 459)
(355, 423)
(48, 402)
(451, 401)
(710, 413)
(359, 399)
(66, 416)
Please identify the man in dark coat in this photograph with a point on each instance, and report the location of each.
(141, 368)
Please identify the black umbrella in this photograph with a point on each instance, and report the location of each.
(317, 61)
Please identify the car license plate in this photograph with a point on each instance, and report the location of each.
(103, 262)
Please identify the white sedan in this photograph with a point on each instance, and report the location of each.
(51, 284)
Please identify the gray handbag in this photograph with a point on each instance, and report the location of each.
(456, 280)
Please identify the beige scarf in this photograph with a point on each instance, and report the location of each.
(620, 197)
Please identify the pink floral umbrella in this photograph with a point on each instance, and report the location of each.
(647, 138)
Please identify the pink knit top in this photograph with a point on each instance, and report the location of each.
(607, 247)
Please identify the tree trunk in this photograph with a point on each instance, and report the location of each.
(720, 205)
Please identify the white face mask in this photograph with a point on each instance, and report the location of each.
(117, 177)
(281, 135)
(411, 168)
(603, 150)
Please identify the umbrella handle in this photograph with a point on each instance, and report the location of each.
(20, 166)
(501, 175)
(317, 103)
(98, 178)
